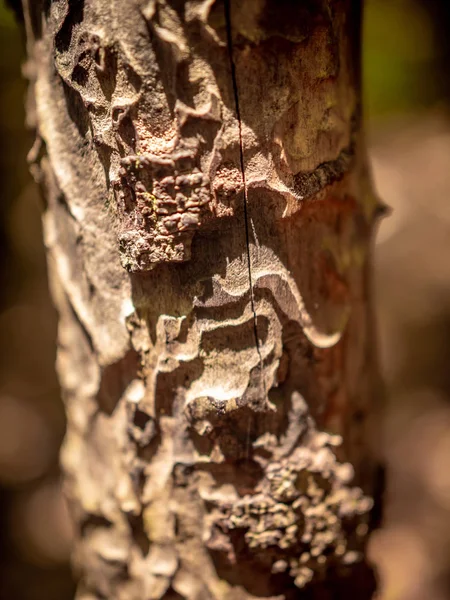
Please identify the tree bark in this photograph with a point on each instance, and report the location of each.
(208, 227)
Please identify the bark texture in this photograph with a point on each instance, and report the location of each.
(208, 229)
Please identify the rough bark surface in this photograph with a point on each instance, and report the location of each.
(208, 228)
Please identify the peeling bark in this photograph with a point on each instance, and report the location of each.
(208, 226)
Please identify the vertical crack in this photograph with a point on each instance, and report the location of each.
(241, 157)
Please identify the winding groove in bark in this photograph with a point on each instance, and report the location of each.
(208, 226)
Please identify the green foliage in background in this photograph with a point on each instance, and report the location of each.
(398, 57)
(6, 17)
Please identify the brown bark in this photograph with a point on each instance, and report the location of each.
(208, 227)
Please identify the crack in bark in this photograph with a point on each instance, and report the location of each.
(241, 157)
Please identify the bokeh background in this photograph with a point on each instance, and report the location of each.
(407, 105)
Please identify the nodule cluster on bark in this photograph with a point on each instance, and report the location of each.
(208, 226)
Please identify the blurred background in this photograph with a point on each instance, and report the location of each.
(407, 104)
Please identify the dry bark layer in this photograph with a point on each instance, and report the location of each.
(208, 227)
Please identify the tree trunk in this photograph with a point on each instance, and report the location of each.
(208, 225)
